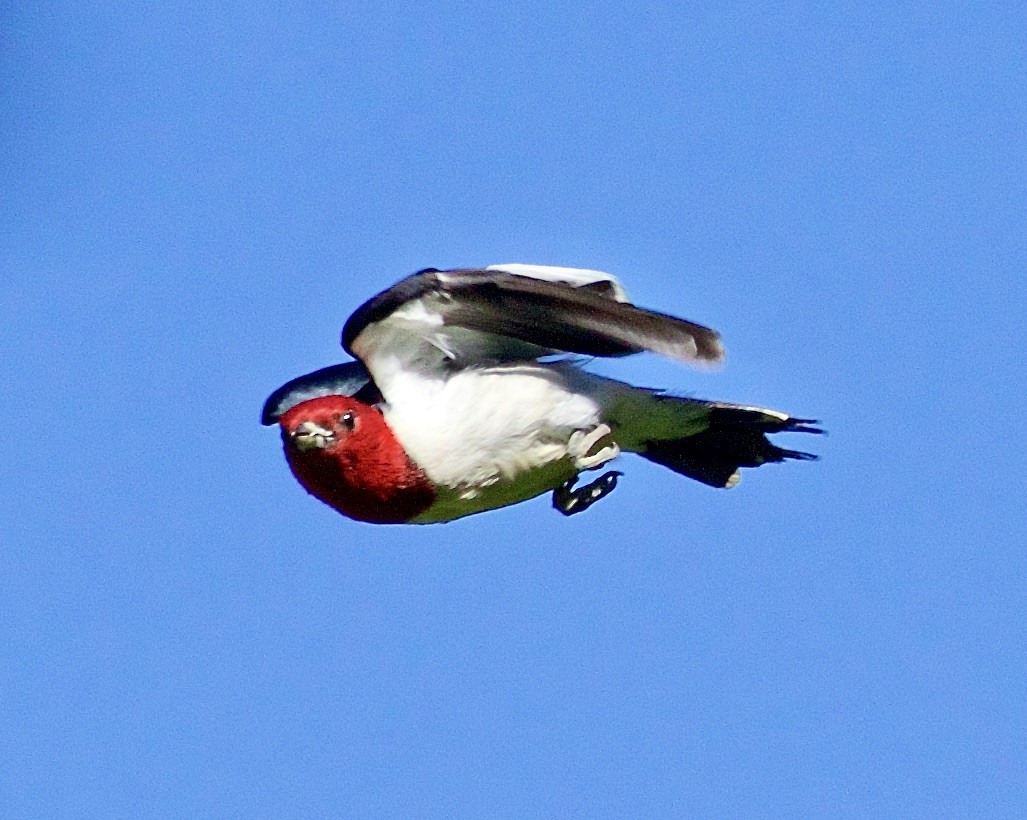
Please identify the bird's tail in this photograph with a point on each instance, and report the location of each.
(735, 437)
(705, 440)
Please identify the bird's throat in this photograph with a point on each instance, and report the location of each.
(380, 485)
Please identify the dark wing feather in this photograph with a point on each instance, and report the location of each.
(552, 315)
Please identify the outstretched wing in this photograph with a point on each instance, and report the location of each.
(513, 312)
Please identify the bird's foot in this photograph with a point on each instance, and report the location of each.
(581, 443)
(570, 501)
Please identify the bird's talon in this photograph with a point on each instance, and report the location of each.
(570, 501)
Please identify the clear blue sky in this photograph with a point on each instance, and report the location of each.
(194, 200)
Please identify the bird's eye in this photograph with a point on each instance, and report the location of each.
(347, 420)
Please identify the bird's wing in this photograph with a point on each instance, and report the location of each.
(437, 319)
(347, 379)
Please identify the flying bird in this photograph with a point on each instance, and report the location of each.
(468, 394)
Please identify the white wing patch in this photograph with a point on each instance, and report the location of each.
(418, 311)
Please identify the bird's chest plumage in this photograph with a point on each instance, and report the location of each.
(491, 437)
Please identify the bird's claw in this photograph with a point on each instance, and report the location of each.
(570, 501)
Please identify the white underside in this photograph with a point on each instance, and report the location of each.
(493, 436)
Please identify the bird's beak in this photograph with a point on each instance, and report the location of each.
(311, 436)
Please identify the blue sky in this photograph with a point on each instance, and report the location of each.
(197, 197)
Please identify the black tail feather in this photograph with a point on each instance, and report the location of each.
(735, 437)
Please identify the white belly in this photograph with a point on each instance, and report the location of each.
(491, 437)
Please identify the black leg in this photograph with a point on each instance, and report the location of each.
(570, 501)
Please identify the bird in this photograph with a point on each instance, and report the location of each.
(469, 391)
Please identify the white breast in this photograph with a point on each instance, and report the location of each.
(478, 428)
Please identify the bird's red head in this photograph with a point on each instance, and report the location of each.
(343, 452)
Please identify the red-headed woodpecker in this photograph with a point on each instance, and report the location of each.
(460, 401)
